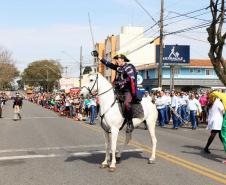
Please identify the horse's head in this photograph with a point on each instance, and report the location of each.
(91, 85)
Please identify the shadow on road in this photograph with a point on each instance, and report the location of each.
(200, 152)
(98, 158)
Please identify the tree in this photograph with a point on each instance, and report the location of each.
(44, 73)
(217, 39)
(8, 70)
(87, 70)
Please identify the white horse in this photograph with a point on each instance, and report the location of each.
(113, 119)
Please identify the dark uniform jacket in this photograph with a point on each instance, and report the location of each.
(125, 80)
(17, 101)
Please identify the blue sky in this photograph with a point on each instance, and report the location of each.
(35, 30)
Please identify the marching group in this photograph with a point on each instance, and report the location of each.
(206, 107)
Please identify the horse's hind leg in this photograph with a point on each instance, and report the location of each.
(151, 128)
(104, 164)
(114, 137)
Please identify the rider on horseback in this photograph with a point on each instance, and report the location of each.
(125, 84)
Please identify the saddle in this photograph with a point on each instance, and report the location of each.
(137, 109)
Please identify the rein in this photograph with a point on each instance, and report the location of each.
(102, 116)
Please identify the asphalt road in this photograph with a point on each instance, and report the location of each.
(45, 149)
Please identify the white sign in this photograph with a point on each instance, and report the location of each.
(139, 79)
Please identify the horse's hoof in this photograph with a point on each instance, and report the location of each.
(118, 159)
(104, 166)
(151, 161)
(112, 169)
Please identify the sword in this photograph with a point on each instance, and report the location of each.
(178, 115)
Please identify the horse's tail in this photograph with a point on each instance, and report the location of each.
(128, 138)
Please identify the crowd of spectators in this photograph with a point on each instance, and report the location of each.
(68, 104)
(178, 106)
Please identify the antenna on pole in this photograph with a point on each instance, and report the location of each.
(94, 48)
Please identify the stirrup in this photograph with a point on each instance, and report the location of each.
(129, 128)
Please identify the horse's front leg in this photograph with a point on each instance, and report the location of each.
(151, 128)
(126, 142)
(104, 164)
(114, 137)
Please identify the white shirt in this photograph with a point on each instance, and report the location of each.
(184, 100)
(174, 102)
(149, 98)
(180, 101)
(215, 117)
(168, 100)
(161, 102)
(67, 102)
(93, 102)
(57, 98)
(193, 104)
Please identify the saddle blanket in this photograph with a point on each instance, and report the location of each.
(137, 110)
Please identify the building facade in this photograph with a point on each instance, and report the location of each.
(197, 74)
(141, 52)
(127, 43)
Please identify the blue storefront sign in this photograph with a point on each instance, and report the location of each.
(174, 54)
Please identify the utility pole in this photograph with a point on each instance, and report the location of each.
(161, 46)
(172, 77)
(80, 68)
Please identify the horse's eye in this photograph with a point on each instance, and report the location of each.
(91, 80)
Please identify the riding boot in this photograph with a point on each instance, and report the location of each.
(130, 126)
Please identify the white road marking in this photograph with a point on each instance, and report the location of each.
(33, 118)
(27, 157)
(77, 154)
(49, 148)
(101, 152)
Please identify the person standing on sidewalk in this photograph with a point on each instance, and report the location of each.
(92, 110)
(174, 107)
(193, 107)
(203, 102)
(161, 107)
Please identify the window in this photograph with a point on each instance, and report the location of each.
(176, 71)
(191, 70)
(147, 75)
(208, 72)
(198, 71)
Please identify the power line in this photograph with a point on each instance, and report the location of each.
(156, 23)
(147, 12)
(199, 26)
(171, 33)
(186, 19)
(192, 17)
(191, 38)
(188, 13)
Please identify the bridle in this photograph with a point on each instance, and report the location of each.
(101, 116)
(91, 90)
